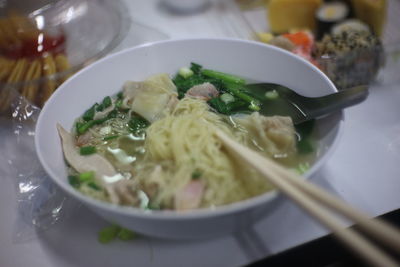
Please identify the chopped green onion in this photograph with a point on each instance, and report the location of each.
(85, 126)
(87, 150)
(108, 234)
(196, 174)
(74, 181)
(272, 95)
(94, 186)
(86, 176)
(111, 137)
(185, 72)
(79, 125)
(303, 168)
(227, 98)
(254, 106)
(126, 234)
(89, 114)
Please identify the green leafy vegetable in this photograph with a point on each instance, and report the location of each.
(226, 108)
(184, 84)
(87, 150)
(225, 77)
(196, 68)
(238, 91)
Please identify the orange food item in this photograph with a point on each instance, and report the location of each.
(300, 39)
(304, 42)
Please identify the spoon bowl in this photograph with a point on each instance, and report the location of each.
(280, 100)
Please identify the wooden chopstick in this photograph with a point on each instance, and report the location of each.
(307, 196)
(377, 228)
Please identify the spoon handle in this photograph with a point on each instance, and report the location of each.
(319, 106)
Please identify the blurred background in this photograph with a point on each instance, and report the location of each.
(43, 42)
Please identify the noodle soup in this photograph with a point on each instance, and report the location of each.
(153, 145)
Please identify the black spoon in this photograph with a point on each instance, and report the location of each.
(301, 108)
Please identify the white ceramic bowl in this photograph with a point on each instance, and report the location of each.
(248, 59)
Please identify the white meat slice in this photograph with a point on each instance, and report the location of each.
(190, 196)
(95, 162)
(150, 98)
(204, 91)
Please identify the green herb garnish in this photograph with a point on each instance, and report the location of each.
(87, 150)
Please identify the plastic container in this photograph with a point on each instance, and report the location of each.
(44, 42)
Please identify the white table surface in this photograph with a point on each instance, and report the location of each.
(364, 170)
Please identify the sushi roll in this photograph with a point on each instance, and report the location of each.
(350, 58)
(329, 14)
(351, 25)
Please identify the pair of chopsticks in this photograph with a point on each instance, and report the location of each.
(320, 204)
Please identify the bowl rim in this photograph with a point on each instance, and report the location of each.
(171, 214)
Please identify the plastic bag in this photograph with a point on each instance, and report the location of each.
(40, 203)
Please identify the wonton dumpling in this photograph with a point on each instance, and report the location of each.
(275, 134)
(151, 97)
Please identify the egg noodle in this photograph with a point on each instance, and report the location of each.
(184, 142)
